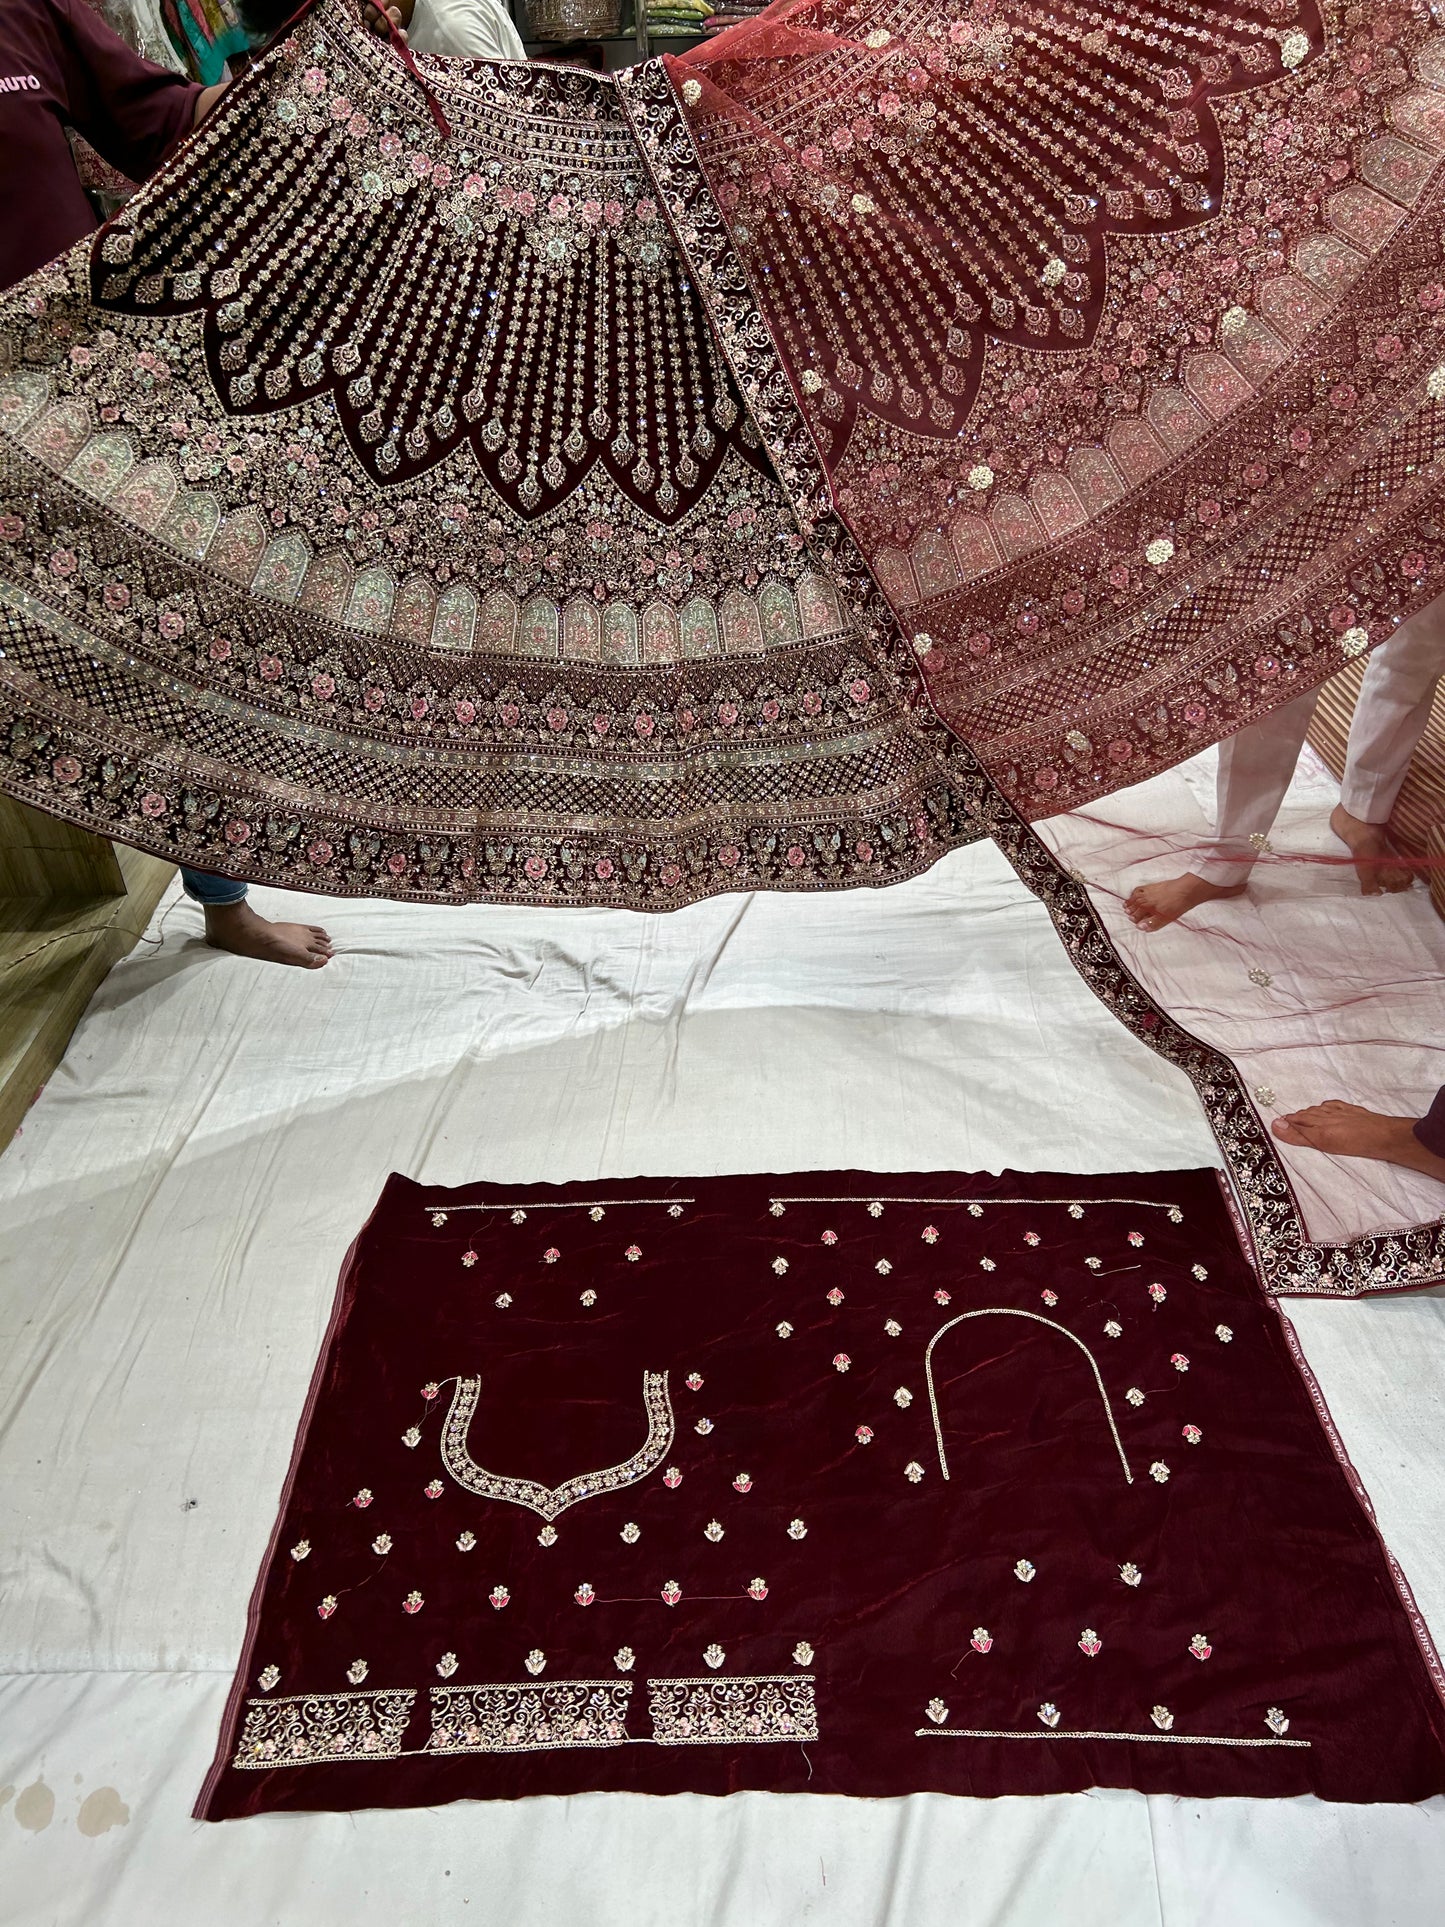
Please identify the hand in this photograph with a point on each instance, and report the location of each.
(206, 100)
(397, 12)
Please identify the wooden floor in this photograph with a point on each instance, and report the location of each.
(71, 905)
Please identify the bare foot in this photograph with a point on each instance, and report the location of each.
(1378, 864)
(1350, 1131)
(1153, 905)
(237, 928)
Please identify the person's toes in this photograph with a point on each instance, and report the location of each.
(1289, 1130)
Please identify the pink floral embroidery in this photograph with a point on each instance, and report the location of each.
(864, 1435)
(430, 1389)
(672, 1478)
(1193, 1434)
(584, 1594)
(1136, 1238)
(930, 1234)
(941, 1297)
(1179, 1361)
(1090, 1642)
(469, 1258)
(327, 1606)
(413, 1603)
(671, 1592)
(758, 1589)
(830, 1237)
(835, 1297)
(693, 1381)
(743, 1483)
(434, 1488)
(632, 1253)
(1200, 1646)
(841, 1361)
(1049, 1297)
(1158, 1294)
(1031, 1237)
(551, 1255)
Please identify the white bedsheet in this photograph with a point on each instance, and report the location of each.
(171, 1224)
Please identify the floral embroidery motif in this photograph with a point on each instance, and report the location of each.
(446, 1665)
(632, 1254)
(1200, 1272)
(301, 1550)
(893, 1328)
(671, 1592)
(875, 1210)
(1024, 1569)
(883, 1267)
(1049, 1297)
(941, 1297)
(381, 1543)
(714, 1656)
(438, 1218)
(1176, 1216)
(306, 1727)
(693, 1381)
(499, 1597)
(1031, 1238)
(975, 1211)
(1113, 1329)
(597, 1214)
(630, 1534)
(1136, 1238)
(724, 1712)
(362, 1499)
(780, 1265)
(784, 1330)
(519, 1216)
(913, 1472)
(1076, 1211)
(547, 1501)
(588, 1298)
(1275, 1720)
(937, 1711)
(552, 1254)
(903, 1398)
(930, 1234)
(703, 1427)
(535, 1661)
(1162, 1718)
(743, 1482)
(1130, 1574)
(982, 1640)
(413, 1603)
(864, 1434)
(411, 1437)
(674, 1211)
(841, 1361)
(1179, 1361)
(987, 1264)
(1134, 1395)
(527, 1718)
(835, 1297)
(327, 1606)
(802, 1654)
(502, 1300)
(1090, 1643)
(1200, 1646)
(547, 1536)
(267, 1677)
(1094, 1264)
(758, 1589)
(469, 1258)
(356, 1672)
(433, 1488)
(1159, 1472)
(672, 1478)
(1192, 1434)
(712, 1531)
(584, 1594)
(430, 1389)
(1049, 1713)
(1223, 1334)
(777, 1208)
(797, 1530)
(624, 1659)
(1158, 1294)
(466, 1541)
(830, 1237)
(1261, 978)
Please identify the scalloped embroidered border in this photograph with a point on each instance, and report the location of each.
(549, 1502)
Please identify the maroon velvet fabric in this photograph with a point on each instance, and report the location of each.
(891, 1646)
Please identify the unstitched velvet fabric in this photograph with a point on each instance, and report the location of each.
(848, 1483)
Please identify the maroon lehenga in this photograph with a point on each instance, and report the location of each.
(767, 469)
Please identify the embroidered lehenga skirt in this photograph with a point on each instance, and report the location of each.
(766, 469)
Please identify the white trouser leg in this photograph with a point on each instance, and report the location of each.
(1392, 712)
(1255, 767)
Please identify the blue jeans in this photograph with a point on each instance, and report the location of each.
(213, 891)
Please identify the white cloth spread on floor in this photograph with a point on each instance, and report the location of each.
(174, 1217)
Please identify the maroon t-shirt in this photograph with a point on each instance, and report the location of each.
(59, 66)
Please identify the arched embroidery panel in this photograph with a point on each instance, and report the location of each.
(1005, 1311)
(551, 1501)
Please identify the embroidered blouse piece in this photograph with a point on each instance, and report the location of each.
(503, 482)
(533, 1550)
